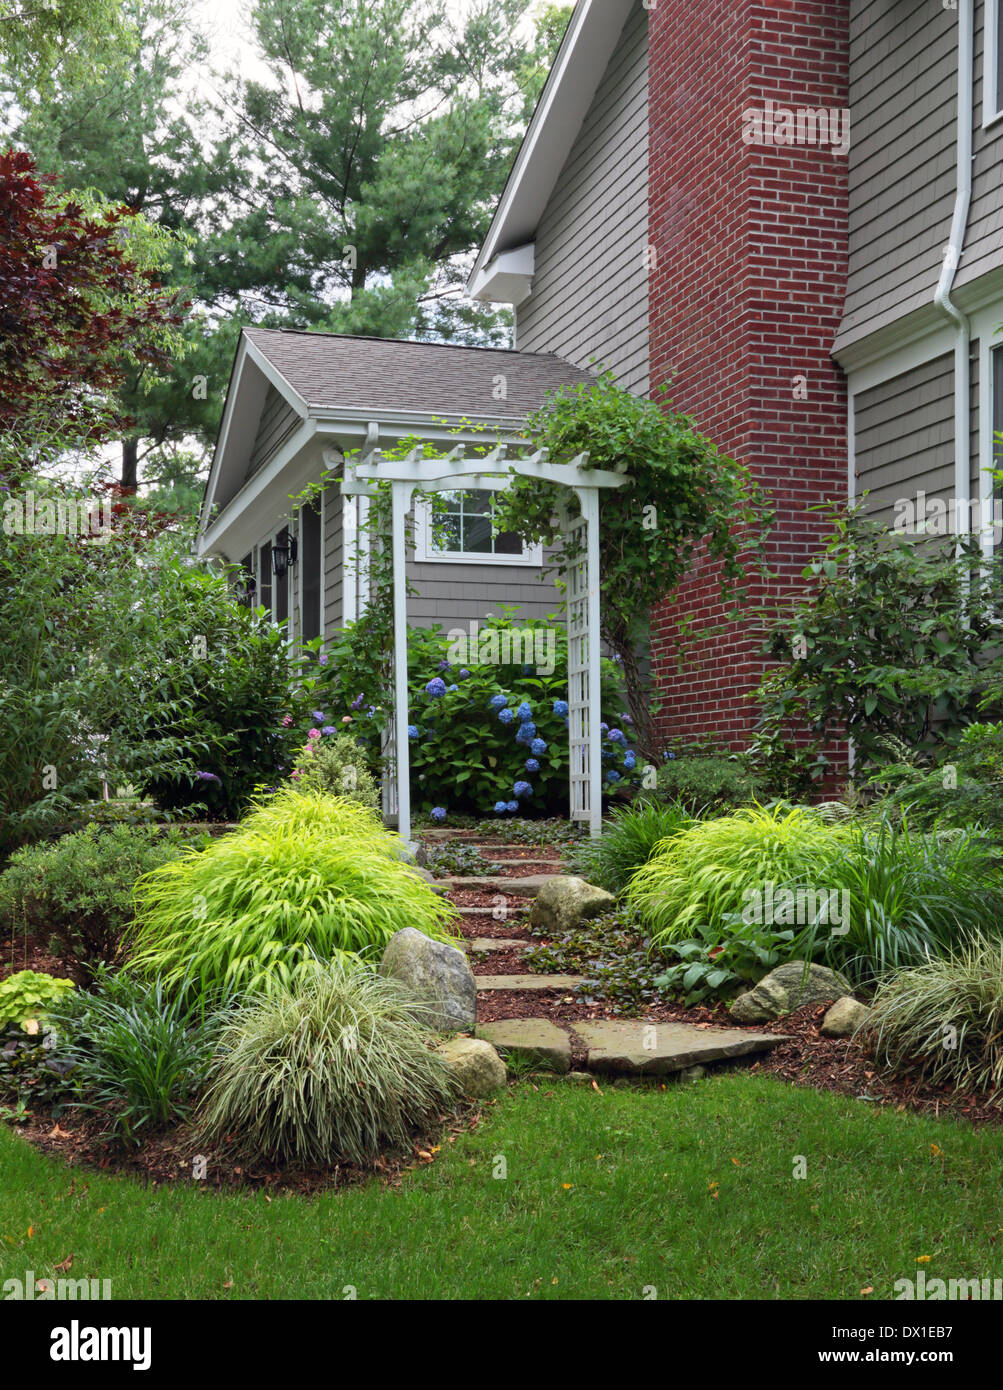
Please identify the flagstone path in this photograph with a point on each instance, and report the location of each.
(609, 1046)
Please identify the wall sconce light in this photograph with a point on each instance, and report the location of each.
(283, 556)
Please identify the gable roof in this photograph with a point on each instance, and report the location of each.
(328, 372)
(586, 49)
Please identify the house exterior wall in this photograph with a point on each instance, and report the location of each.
(590, 290)
(332, 549)
(746, 295)
(278, 420)
(905, 437)
(903, 99)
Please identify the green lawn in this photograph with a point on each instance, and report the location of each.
(605, 1195)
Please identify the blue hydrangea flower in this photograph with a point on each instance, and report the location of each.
(511, 806)
(532, 765)
(525, 711)
(438, 813)
(670, 756)
(617, 736)
(538, 747)
(436, 687)
(497, 702)
(464, 674)
(452, 688)
(500, 808)
(318, 716)
(567, 721)
(527, 732)
(612, 775)
(630, 760)
(561, 708)
(329, 729)
(413, 731)
(443, 666)
(506, 716)
(604, 729)
(523, 789)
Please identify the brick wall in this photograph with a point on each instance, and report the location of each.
(747, 289)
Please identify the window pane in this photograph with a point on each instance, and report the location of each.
(282, 585)
(477, 503)
(265, 575)
(310, 561)
(477, 535)
(507, 543)
(446, 533)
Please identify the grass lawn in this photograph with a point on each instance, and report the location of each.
(604, 1195)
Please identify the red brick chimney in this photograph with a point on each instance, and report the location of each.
(748, 125)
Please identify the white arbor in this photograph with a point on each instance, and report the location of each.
(417, 473)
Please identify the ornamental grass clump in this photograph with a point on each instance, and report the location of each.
(306, 877)
(331, 1068)
(698, 877)
(943, 1020)
(628, 839)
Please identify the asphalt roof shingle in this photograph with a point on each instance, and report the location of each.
(329, 370)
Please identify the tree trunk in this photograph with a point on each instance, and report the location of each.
(130, 465)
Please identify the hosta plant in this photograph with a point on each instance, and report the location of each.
(333, 1067)
(307, 876)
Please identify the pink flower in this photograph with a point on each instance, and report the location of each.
(313, 733)
(346, 719)
(287, 721)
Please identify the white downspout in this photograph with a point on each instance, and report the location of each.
(952, 256)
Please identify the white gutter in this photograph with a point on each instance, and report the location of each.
(952, 256)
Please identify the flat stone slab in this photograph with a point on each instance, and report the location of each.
(495, 943)
(620, 1047)
(536, 982)
(532, 883)
(536, 1039)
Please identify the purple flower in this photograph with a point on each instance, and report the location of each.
(617, 736)
(329, 729)
(208, 777)
(438, 813)
(443, 666)
(436, 688)
(318, 716)
(322, 659)
(463, 674)
(357, 702)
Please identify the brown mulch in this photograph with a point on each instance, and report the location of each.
(482, 897)
(499, 962)
(168, 1157)
(32, 953)
(538, 854)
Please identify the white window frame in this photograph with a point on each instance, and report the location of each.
(992, 96)
(426, 553)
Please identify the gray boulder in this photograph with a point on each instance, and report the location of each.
(436, 973)
(477, 1067)
(844, 1018)
(787, 988)
(564, 901)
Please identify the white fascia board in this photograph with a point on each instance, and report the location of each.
(205, 511)
(508, 279)
(267, 490)
(354, 425)
(273, 374)
(583, 57)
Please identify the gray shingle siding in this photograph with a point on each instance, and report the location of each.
(984, 235)
(905, 436)
(333, 550)
(278, 420)
(590, 290)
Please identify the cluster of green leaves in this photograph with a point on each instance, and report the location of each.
(456, 859)
(873, 897)
(629, 837)
(613, 954)
(305, 877)
(77, 892)
(33, 1072)
(942, 1019)
(894, 636)
(465, 758)
(140, 1052)
(706, 784)
(681, 494)
(28, 996)
(331, 1068)
(338, 767)
(553, 831)
(964, 787)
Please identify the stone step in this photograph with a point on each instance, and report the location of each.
(495, 943)
(535, 1039)
(540, 983)
(531, 884)
(631, 1047)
